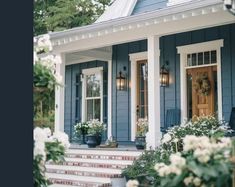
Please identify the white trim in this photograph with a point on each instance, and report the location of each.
(86, 72)
(154, 133)
(134, 57)
(195, 48)
(59, 94)
(109, 98)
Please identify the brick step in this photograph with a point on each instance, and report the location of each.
(78, 180)
(95, 163)
(84, 171)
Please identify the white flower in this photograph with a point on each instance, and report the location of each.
(44, 42)
(39, 135)
(203, 155)
(175, 140)
(166, 138)
(188, 180)
(39, 149)
(132, 183)
(47, 131)
(177, 160)
(62, 138)
(159, 165)
(197, 181)
(225, 142)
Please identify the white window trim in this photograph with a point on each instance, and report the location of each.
(134, 57)
(88, 72)
(195, 48)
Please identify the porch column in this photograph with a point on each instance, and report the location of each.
(59, 94)
(110, 98)
(154, 134)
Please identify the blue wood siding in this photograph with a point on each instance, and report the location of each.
(121, 114)
(148, 5)
(73, 94)
(170, 97)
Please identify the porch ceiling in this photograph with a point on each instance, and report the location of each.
(104, 54)
(174, 19)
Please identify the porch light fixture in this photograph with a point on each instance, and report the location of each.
(164, 76)
(121, 81)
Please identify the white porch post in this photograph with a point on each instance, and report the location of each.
(109, 98)
(154, 134)
(59, 94)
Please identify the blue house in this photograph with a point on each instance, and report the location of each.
(164, 60)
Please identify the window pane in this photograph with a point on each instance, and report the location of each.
(89, 109)
(194, 59)
(93, 82)
(189, 60)
(200, 58)
(213, 57)
(206, 57)
(97, 109)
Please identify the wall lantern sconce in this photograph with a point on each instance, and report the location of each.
(164, 75)
(121, 81)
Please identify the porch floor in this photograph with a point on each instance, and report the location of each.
(119, 148)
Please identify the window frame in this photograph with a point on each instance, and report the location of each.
(85, 73)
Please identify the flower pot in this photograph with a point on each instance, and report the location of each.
(140, 142)
(91, 141)
(99, 139)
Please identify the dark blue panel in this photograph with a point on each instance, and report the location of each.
(148, 5)
(121, 111)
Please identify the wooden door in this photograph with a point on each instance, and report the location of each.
(203, 90)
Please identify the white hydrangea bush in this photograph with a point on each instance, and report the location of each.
(47, 147)
(204, 161)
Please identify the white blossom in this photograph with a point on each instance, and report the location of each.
(132, 183)
(39, 149)
(188, 180)
(202, 155)
(177, 160)
(62, 138)
(197, 181)
(166, 138)
(39, 135)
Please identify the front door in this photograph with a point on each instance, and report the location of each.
(202, 91)
(142, 90)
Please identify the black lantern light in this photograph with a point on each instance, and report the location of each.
(121, 81)
(164, 76)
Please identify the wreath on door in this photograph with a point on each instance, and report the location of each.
(202, 85)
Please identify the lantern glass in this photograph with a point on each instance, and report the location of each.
(121, 82)
(164, 77)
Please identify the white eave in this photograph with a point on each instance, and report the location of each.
(169, 15)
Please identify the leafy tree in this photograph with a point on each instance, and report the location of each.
(57, 15)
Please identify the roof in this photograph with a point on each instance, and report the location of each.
(124, 8)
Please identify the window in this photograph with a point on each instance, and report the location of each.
(201, 58)
(93, 94)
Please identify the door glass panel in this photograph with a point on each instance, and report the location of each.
(189, 60)
(189, 95)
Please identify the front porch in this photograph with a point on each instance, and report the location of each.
(157, 38)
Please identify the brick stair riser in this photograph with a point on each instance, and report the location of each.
(84, 173)
(102, 157)
(93, 165)
(77, 183)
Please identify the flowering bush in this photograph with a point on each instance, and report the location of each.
(96, 127)
(47, 147)
(143, 169)
(81, 128)
(142, 126)
(203, 162)
(201, 126)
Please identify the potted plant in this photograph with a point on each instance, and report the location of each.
(142, 128)
(95, 131)
(81, 129)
